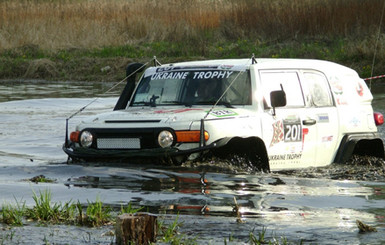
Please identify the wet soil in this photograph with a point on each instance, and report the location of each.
(357, 168)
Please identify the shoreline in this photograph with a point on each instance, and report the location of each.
(108, 64)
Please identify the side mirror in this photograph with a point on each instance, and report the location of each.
(277, 99)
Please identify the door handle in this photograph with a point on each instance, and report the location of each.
(309, 122)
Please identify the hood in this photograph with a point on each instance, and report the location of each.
(162, 114)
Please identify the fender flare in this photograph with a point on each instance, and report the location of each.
(252, 146)
(363, 143)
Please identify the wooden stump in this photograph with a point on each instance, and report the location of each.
(139, 228)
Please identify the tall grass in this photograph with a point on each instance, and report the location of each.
(45, 211)
(63, 24)
(296, 18)
(13, 215)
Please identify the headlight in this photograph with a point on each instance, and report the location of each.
(86, 139)
(165, 138)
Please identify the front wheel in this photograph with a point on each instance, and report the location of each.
(178, 160)
(245, 151)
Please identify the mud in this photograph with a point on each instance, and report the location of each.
(357, 168)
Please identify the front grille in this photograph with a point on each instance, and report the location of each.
(125, 138)
(132, 121)
(118, 143)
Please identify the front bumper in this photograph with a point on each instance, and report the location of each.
(92, 154)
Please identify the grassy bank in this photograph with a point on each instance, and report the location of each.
(76, 39)
(96, 214)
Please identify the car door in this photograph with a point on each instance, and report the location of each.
(322, 111)
(288, 132)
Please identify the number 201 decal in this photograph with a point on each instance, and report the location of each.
(289, 130)
(292, 131)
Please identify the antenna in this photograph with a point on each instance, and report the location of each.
(253, 60)
(375, 48)
(156, 62)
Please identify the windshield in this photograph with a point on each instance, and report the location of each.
(188, 87)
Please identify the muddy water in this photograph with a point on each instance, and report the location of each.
(317, 206)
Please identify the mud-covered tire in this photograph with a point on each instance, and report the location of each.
(250, 150)
(178, 160)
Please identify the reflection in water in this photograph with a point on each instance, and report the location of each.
(307, 204)
(310, 207)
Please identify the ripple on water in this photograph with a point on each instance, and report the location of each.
(316, 205)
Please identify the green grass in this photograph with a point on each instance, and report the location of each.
(13, 215)
(129, 209)
(87, 64)
(96, 214)
(260, 238)
(41, 179)
(170, 234)
(44, 210)
(93, 214)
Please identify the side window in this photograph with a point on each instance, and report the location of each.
(272, 80)
(318, 89)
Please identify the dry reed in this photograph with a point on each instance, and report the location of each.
(61, 24)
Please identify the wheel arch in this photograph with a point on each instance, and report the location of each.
(253, 147)
(369, 144)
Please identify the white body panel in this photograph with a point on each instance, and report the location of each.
(305, 133)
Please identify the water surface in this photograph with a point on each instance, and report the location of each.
(312, 205)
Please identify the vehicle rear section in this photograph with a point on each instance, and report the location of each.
(369, 144)
(358, 122)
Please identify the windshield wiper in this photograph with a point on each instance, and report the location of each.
(204, 102)
(175, 102)
(225, 103)
(148, 103)
(153, 99)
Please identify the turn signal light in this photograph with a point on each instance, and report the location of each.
(74, 136)
(190, 136)
(378, 118)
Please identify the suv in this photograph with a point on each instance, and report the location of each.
(278, 113)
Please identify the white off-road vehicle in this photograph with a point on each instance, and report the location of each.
(278, 113)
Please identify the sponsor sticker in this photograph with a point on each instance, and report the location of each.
(223, 113)
(323, 118)
(169, 75)
(211, 74)
(287, 130)
(175, 74)
(327, 138)
(283, 157)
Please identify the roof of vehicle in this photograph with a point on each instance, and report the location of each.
(266, 63)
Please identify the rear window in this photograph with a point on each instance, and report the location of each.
(318, 89)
